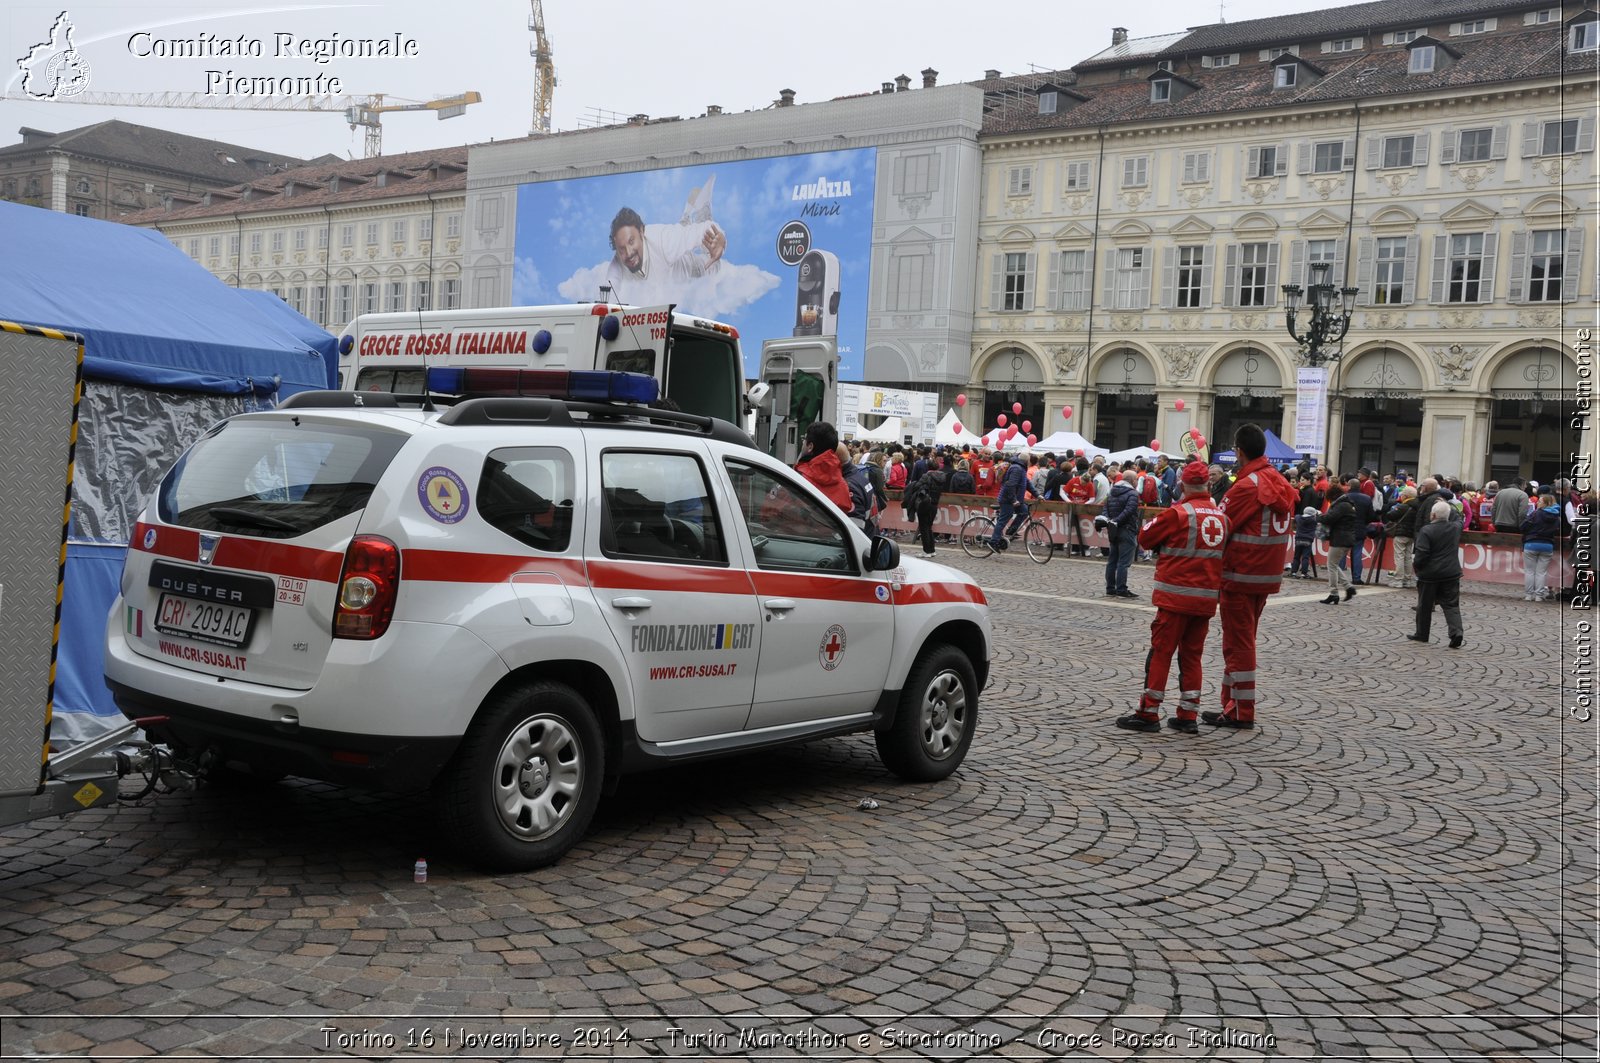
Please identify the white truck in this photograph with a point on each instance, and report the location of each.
(697, 361)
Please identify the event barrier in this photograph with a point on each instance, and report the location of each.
(1485, 557)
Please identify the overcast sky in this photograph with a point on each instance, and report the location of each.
(613, 59)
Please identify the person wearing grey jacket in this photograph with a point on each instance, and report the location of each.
(1436, 556)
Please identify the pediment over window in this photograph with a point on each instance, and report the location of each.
(1393, 218)
(1193, 226)
(1131, 230)
(1321, 219)
(1073, 232)
(1256, 222)
(1468, 215)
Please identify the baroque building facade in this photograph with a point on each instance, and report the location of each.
(1141, 211)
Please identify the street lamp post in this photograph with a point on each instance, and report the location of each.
(1330, 320)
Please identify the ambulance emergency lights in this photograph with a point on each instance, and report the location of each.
(582, 385)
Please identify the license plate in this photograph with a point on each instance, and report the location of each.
(225, 625)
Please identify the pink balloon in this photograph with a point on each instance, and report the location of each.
(1016, 407)
(1001, 420)
(1066, 411)
(1177, 404)
(957, 426)
(1155, 444)
(961, 400)
(1032, 439)
(1027, 426)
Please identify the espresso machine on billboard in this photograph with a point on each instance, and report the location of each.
(817, 295)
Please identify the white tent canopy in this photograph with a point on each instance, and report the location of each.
(1134, 452)
(945, 434)
(1064, 441)
(890, 431)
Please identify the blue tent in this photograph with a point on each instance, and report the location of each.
(1277, 451)
(168, 350)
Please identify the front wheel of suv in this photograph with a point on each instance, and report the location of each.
(526, 779)
(933, 725)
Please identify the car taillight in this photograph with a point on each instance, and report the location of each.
(367, 588)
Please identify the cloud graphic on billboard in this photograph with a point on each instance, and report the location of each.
(718, 293)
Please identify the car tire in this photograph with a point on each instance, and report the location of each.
(526, 779)
(934, 722)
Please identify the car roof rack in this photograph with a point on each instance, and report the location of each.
(504, 411)
(338, 400)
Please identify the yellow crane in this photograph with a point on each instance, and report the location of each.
(544, 70)
(364, 111)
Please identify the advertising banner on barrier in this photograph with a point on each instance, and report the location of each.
(1311, 410)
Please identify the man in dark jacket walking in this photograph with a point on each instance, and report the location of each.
(1121, 514)
(1363, 506)
(1341, 521)
(1437, 555)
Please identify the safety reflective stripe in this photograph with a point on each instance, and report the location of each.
(1264, 540)
(1243, 677)
(1179, 551)
(1193, 592)
(1244, 577)
(1154, 695)
(1189, 697)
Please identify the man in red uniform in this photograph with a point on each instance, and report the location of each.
(1260, 507)
(1190, 535)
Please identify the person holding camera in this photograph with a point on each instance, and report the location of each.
(1120, 521)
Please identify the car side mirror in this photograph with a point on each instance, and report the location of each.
(882, 555)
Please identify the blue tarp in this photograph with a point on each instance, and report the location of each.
(148, 313)
(1277, 450)
(153, 318)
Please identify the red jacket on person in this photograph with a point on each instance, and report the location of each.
(1190, 534)
(825, 474)
(1260, 507)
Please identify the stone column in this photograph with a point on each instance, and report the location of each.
(58, 183)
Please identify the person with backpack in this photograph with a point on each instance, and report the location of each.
(863, 500)
(921, 501)
(819, 463)
(961, 481)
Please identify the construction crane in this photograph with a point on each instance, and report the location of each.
(364, 111)
(544, 70)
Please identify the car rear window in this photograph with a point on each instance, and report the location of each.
(275, 477)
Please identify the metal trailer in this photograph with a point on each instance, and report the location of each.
(41, 384)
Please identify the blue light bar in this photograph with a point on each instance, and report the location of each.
(588, 385)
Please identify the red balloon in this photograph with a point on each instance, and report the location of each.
(1032, 439)
(1155, 444)
(1027, 426)
(961, 400)
(1016, 407)
(1066, 411)
(1001, 420)
(957, 426)
(1177, 404)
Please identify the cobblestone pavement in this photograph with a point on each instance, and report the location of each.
(1398, 862)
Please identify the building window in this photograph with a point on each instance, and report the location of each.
(1136, 171)
(1559, 138)
(1078, 176)
(1254, 284)
(214, 246)
(1475, 145)
(1191, 269)
(1584, 37)
(322, 239)
(1465, 269)
(1072, 281)
(399, 232)
(1422, 57)
(1466, 29)
(1269, 54)
(369, 297)
(916, 175)
(341, 305)
(1196, 167)
(424, 229)
(452, 293)
(1220, 60)
(1539, 18)
(1130, 289)
(1284, 76)
(372, 233)
(1389, 274)
(1327, 157)
(1545, 266)
(277, 243)
(452, 226)
(397, 296)
(1161, 91)
(910, 283)
(233, 245)
(1019, 181)
(1047, 102)
(421, 295)
(319, 304)
(1401, 36)
(194, 248)
(255, 243)
(1266, 162)
(347, 236)
(299, 239)
(1343, 44)
(83, 186)
(297, 298)
(81, 209)
(1014, 291)
(1398, 151)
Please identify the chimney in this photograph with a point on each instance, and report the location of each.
(1119, 35)
(887, 86)
(713, 108)
(930, 78)
(639, 119)
(786, 97)
(991, 75)
(902, 83)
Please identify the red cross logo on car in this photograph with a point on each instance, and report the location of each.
(832, 651)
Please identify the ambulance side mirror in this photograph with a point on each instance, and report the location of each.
(882, 555)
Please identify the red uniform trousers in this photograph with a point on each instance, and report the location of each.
(1184, 633)
(1241, 613)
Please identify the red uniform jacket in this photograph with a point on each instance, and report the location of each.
(824, 473)
(1260, 507)
(1190, 535)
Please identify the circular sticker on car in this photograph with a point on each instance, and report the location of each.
(149, 538)
(443, 495)
(831, 652)
(881, 592)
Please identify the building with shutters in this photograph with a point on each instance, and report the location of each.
(1140, 212)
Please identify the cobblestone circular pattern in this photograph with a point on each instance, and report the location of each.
(1381, 866)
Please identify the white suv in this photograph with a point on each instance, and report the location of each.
(516, 601)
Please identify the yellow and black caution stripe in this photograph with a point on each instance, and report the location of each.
(66, 519)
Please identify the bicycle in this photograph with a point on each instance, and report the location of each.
(977, 532)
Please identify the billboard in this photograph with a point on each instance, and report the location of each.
(775, 247)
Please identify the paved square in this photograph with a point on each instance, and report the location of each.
(1400, 860)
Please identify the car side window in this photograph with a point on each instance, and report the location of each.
(655, 506)
(527, 492)
(789, 530)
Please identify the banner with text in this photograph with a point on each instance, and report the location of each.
(1311, 410)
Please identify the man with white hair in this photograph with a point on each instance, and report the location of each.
(1436, 557)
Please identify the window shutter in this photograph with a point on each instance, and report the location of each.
(1516, 289)
(1206, 258)
(1447, 145)
(900, 176)
(1455, 29)
(1230, 277)
(1143, 302)
(1571, 263)
(1169, 277)
(1498, 145)
(1297, 262)
(1030, 280)
(997, 277)
(1110, 294)
(1374, 152)
(1053, 289)
(1282, 166)
(1440, 267)
(1419, 149)
(1203, 166)
(1272, 273)
(1304, 158)
(933, 171)
(1340, 270)
(1530, 139)
(1364, 269)
(1188, 168)
(1491, 241)
(1348, 162)
(1408, 282)
(1586, 133)
(1013, 181)
(1252, 162)
(1327, 46)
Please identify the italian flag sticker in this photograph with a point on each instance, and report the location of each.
(135, 621)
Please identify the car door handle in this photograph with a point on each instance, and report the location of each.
(779, 605)
(631, 603)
